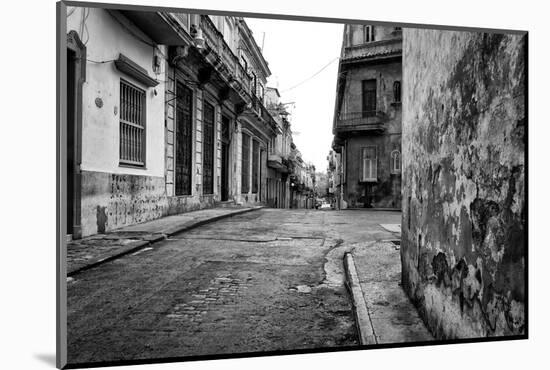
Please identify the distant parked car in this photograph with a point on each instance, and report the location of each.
(318, 203)
(325, 205)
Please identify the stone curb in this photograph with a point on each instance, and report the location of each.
(153, 238)
(360, 311)
(132, 247)
(373, 209)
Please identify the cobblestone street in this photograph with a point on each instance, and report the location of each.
(267, 280)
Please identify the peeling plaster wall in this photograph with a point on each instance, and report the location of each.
(463, 225)
(110, 201)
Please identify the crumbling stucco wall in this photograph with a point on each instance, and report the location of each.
(463, 242)
(110, 201)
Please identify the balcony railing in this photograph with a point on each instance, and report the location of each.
(362, 120)
(215, 41)
(374, 50)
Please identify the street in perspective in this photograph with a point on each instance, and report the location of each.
(233, 190)
(265, 280)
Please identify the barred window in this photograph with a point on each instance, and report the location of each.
(208, 149)
(245, 164)
(132, 124)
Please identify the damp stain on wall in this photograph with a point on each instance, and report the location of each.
(463, 250)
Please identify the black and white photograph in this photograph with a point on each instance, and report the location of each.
(239, 185)
(231, 188)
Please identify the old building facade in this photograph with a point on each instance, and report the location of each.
(302, 181)
(166, 115)
(215, 101)
(115, 122)
(367, 118)
(279, 167)
(463, 250)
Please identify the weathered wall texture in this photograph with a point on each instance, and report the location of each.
(386, 193)
(110, 201)
(463, 247)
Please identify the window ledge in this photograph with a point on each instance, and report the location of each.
(130, 165)
(132, 69)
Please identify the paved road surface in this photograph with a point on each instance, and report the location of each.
(268, 280)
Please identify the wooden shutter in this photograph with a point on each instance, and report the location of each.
(245, 164)
(370, 164)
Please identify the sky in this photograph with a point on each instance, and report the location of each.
(295, 52)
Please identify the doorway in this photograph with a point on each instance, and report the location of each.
(184, 135)
(76, 75)
(225, 159)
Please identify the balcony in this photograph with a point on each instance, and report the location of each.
(257, 111)
(217, 46)
(373, 51)
(162, 28)
(276, 161)
(364, 121)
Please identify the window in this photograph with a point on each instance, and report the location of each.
(245, 164)
(369, 97)
(244, 63)
(397, 91)
(272, 143)
(395, 164)
(368, 32)
(397, 29)
(255, 165)
(132, 125)
(184, 131)
(208, 149)
(370, 167)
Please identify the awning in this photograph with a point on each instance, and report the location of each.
(161, 27)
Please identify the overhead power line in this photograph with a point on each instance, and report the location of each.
(310, 77)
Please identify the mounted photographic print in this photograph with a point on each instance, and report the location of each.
(229, 188)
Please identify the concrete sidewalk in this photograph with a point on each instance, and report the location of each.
(94, 250)
(383, 311)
